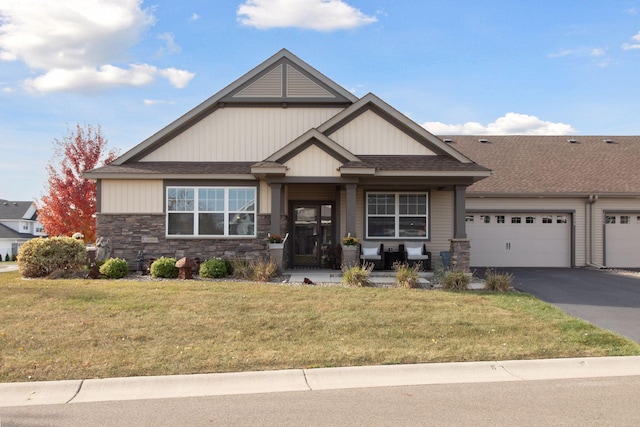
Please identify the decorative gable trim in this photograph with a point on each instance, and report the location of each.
(370, 102)
(312, 137)
(264, 77)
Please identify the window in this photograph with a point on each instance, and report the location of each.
(609, 219)
(530, 220)
(500, 219)
(547, 220)
(211, 211)
(625, 219)
(469, 218)
(395, 215)
(486, 219)
(561, 219)
(516, 220)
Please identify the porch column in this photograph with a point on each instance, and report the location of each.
(276, 207)
(351, 209)
(459, 212)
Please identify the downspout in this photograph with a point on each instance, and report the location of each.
(593, 198)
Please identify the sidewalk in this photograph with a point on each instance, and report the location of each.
(178, 386)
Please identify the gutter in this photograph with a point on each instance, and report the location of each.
(593, 198)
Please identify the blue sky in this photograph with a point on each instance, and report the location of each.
(463, 67)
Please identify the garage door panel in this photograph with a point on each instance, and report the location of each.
(622, 246)
(528, 241)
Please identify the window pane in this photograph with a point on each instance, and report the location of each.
(211, 224)
(624, 219)
(413, 226)
(241, 224)
(242, 199)
(381, 227)
(381, 204)
(413, 204)
(180, 223)
(180, 199)
(211, 199)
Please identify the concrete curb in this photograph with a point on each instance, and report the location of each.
(164, 387)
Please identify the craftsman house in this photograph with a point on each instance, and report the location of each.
(285, 150)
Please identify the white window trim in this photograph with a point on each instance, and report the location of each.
(225, 213)
(397, 215)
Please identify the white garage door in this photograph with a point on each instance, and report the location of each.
(622, 234)
(519, 239)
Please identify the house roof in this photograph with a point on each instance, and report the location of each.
(554, 164)
(272, 81)
(16, 210)
(8, 233)
(172, 170)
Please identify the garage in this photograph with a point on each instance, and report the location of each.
(519, 239)
(622, 240)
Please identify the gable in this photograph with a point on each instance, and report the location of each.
(369, 133)
(313, 162)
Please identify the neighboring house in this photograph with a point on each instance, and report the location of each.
(18, 223)
(284, 149)
(554, 201)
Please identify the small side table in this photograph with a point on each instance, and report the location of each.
(391, 257)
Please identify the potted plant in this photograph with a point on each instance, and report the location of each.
(276, 241)
(349, 250)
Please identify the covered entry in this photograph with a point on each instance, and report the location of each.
(312, 234)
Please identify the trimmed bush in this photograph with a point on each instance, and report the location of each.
(241, 269)
(164, 268)
(7, 257)
(456, 281)
(406, 276)
(357, 275)
(40, 257)
(214, 268)
(494, 281)
(115, 268)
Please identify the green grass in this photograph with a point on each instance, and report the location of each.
(71, 329)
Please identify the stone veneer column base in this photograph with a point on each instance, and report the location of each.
(460, 255)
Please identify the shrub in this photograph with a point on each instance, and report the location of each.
(14, 257)
(438, 272)
(264, 271)
(357, 275)
(7, 257)
(39, 257)
(165, 268)
(406, 276)
(499, 282)
(115, 268)
(456, 281)
(241, 269)
(214, 268)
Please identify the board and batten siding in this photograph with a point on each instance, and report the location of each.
(515, 204)
(313, 162)
(131, 196)
(370, 134)
(240, 134)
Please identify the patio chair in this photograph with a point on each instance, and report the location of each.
(417, 252)
(372, 252)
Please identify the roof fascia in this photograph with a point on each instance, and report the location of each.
(211, 104)
(351, 112)
(299, 143)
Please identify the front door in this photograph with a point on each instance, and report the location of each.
(313, 235)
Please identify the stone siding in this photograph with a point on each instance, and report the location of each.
(460, 255)
(132, 233)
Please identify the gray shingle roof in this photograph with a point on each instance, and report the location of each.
(8, 233)
(175, 168)
(553, 165)
(14, 210)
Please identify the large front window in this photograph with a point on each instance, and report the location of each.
(211, 211)
(397, 215)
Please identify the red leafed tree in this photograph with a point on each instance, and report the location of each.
(70, 205)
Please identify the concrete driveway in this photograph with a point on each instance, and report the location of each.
(601, 297)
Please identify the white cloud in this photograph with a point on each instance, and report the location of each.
(178, 78)
(321, 15)
(194, 17)
(509, 124)
(151, 102)
(73, 43)
(634, 45)
(170, 44)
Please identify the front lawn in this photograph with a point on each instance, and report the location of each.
(72, 329)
